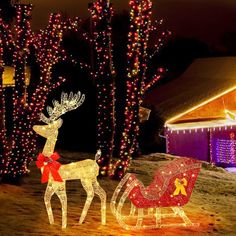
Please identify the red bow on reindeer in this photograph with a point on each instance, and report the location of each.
(51, 166)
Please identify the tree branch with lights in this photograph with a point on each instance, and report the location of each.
(2, 101)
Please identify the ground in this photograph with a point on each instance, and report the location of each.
(22, 211)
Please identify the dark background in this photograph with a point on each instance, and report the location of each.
(206, 20)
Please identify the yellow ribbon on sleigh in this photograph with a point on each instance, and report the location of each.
(180, 185)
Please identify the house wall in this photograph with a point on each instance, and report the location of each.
(217, 146)
(194, 144)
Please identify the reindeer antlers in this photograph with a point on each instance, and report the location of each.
(68, 103)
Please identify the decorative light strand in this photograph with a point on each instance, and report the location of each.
(2, 110)
(161, 42)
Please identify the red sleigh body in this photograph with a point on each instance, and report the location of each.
(172, 187)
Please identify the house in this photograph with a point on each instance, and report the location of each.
(199, 110)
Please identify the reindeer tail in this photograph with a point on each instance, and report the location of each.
(98, 155)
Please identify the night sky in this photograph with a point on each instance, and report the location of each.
(206, 20)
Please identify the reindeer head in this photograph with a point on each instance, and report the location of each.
(54, 122)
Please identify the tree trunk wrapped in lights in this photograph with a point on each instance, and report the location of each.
(21, 146)
(26, 109)
(137, 83)
(101, 12)
(5, 36)
(2, 129)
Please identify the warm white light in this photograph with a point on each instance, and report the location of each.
(177, 116)
(86, 170)
(219, 124)
(230, 115)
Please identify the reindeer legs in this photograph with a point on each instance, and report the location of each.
(47, 200)
(61, 193)
(102, 195)
(88, 187)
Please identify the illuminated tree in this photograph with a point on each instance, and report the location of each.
(138, 80)
(104, 76)
(29, 103)
(2, 131)
(137, 83)
(16, 154)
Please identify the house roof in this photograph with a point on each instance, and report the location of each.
(204, 80)
(202, 125)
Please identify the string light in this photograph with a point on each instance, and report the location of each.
(56, 174)
(223, 148)
(202, 126)
(2, 104)
(172, 187)
(178, 116)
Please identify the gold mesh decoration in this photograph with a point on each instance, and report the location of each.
(86, 170)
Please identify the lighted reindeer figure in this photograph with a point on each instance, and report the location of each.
(56, 174)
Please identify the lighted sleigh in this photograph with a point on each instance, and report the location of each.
(169, 191)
